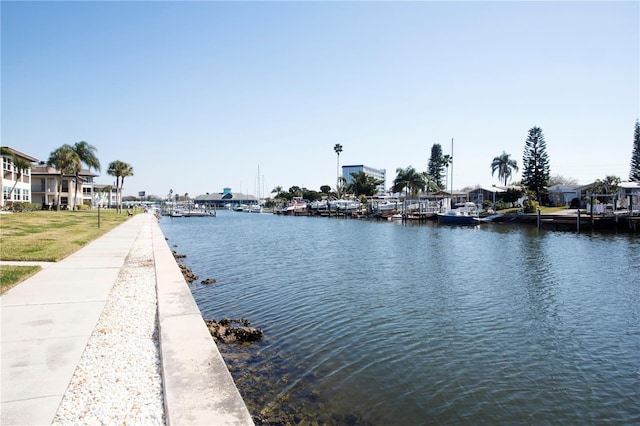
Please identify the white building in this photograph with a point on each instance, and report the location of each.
(16, 184)
(380, 174)
(44, 187)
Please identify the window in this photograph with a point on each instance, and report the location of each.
(16, 194)
(5, 192)
(25, 194)
(86, 191)
(65, 185)
(43, 185)
(64, 201)
(7, 164)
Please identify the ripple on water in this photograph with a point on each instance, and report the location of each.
(379, 323)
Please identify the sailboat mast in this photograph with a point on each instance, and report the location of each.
(452, 172)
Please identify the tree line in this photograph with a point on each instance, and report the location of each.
(536, 176)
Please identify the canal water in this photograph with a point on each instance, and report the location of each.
(379, 323)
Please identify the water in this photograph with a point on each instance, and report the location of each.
(382, 323)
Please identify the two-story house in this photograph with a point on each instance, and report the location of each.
(16, 183)
(44, 187)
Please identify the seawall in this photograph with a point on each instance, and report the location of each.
(198, 388)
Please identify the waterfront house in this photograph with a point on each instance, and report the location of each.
(479, 195)
(12, 178)
(561, 195)
(629, 196)
(446, 198)
(44, 187)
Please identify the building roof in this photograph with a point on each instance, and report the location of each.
(225, 196)
(21, 154)
(491, 189)
(563, 188)
(43, 169)
(629, 185)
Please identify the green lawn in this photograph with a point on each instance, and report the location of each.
(48, 236)
(11, 275)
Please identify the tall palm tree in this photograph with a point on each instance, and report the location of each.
(447, 160)
(409, 180)
(505, 166)
(86, 154)
(127, 170)
(277, 190)
(115, 169)
(65, 160)
(120, 170)
(430, 185)
(338, 149)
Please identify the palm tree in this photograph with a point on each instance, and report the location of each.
(115, 169)
(277, 190)
(86, 154)
(65, 160)
(120, 170)
(410, 180)
(338, 149)
(363, 184)
(505, 166)
(430, 185)
(447, 160)
(127, 170)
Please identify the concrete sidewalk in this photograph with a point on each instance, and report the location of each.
(47, 320)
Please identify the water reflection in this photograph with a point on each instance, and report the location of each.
(380, 323)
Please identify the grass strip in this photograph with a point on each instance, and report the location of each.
(11, 275)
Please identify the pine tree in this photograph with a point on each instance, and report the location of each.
(634, 175)
(435, 168)
(535, 175)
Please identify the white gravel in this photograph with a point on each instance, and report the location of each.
(118, 379)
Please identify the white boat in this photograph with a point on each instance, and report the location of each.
(466, 214)
(295, 206)
(191, 213)
(344, 205)
(255, 208)
(387, 206)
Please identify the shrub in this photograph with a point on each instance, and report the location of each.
(501, 205)
(530, 206)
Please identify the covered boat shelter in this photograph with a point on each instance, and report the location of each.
(223, 199)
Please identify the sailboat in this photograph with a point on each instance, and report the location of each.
(256, 207)
(465, 214)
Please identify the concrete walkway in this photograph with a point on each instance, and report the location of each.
(47, 320)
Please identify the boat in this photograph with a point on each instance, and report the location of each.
(296, 206)
(255, 208)
(490, 218)
(198, 213)
(191, 212)
(466, 214)
(345, 206)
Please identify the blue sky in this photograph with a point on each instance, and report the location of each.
(197, 95)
